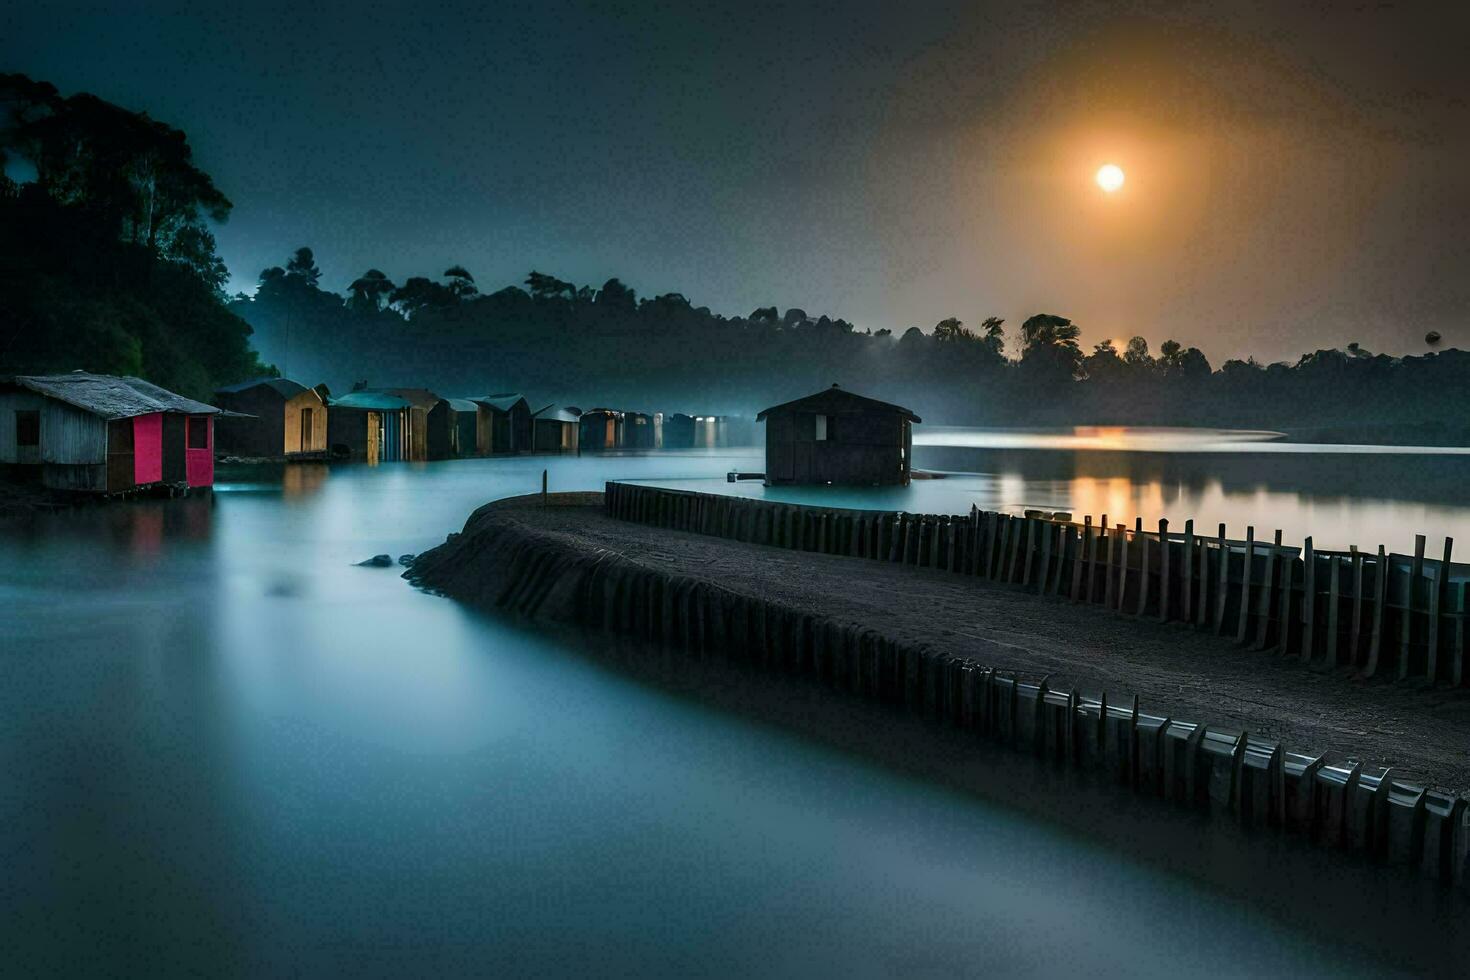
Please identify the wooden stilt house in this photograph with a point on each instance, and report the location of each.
(836, 436)
(370, 425)
(291, 419)
(554, 430)
(104, 433)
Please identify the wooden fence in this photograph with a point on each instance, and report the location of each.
(1375, 614)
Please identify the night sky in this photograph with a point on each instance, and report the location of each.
(1298, 175)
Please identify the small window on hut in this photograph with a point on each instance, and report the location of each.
(198, 433)
(826, 429)
(27, 428)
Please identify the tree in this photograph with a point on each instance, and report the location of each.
(302, 266)
(545, 287)
(420, 293)
(1049, 351)
(369, 292)
(461, 283)
(1136, 355)
(953, 330)
(615, 296)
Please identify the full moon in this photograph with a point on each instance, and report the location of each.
(1110, 177)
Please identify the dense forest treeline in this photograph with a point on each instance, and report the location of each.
(108, 263)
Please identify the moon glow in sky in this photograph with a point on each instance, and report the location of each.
(1110, 177)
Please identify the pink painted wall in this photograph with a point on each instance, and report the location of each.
(148, 449)
(199, 463)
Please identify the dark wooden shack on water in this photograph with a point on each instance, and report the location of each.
(453, 427)
(370, 425)
(504, 425)
(554, 430)
(104, 433)
(836, 436)
(289, 419)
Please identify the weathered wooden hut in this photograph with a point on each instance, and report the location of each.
(452, 428)
(600, 429)
(106, 434)
(554, 430)
(639, 431)
(504, 425)
(370, 425)
(291, 419)
(423, 442)
(836, 436)
(679, 431)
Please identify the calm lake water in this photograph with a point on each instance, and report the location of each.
(225, 749)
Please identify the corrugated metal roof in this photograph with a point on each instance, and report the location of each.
(285, 387)
(421, 397)
(174, 402)
(376, 400)
(110, 397)
(834, 400)
(502, 402)
(552, 413)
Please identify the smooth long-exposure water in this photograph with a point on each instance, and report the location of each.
(224, 748)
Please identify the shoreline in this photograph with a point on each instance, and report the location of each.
(1018, 669)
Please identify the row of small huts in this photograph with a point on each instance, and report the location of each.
(110, 434)
(273, 417)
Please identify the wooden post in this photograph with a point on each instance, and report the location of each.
(1063, 535)
(1014, 566)
(1122, 567)
(1143, 583)
(1356, 630)
(1406, 624)
(1457, 669)
(1045, 575)
(1108, 570)
(1243, 621)
(1186, 569)
(1309, 601)
(1164, 568)
(1436, 597)
(1222, 584)
(1202, 606)
(1334, 597)
(1005, 546)
(1268, 594)
(1380, 599)
(1029, 549)
(1079, 564)
(1283, 611)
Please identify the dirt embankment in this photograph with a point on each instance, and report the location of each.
(1176, 671)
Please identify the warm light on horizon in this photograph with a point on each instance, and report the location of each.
(1110, 177)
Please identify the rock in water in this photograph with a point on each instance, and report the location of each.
(376, 561)
(405, 560)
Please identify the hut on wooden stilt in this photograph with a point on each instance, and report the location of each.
(290, 419)
(104, 433)
(554, 430)
(836, 436)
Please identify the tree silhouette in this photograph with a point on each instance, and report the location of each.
(369, 292)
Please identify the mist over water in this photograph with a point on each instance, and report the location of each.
(224, 748)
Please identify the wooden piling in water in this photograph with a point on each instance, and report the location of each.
(1436, 597)
(1309, 601)
(1380, 599)
(1245, 585)
(1222, 585)
(1406, 617)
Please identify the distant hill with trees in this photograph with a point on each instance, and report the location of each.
(107, 262)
